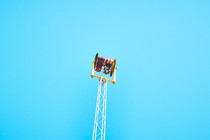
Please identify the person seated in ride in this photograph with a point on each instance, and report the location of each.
(100, 63)
(107, 65)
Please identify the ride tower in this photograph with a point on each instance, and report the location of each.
(108, 67)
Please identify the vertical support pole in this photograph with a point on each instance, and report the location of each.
(99, 128)
(114, 75)
(92, 70)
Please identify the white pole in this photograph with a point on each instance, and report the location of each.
(99, 128)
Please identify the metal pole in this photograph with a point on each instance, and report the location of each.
(99, 128)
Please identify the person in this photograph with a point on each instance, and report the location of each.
(107, 65)
(100, 63)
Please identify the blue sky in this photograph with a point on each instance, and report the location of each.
(163, 81)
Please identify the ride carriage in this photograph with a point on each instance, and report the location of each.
(107, 65)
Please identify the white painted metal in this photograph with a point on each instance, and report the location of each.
(99, 129)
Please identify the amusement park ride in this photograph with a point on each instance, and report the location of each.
(108, 67)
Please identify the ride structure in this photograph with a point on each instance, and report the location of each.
(109, 68)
